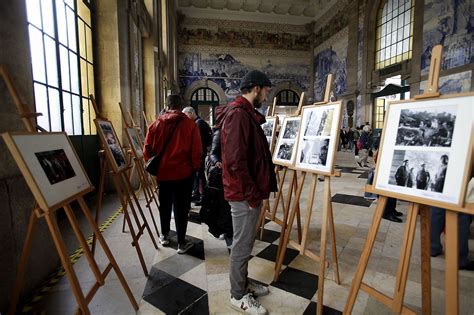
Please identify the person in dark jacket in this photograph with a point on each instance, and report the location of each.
(178, 164)
(422, 178)
(366, 143)
(248, 177)
(401, 175)
(205, 132)
(215, 210)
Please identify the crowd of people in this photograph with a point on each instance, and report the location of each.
(228, 171)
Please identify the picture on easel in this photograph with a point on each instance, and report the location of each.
(429, 154)
(107, 132)
(50, 165)
(286, 144)
(134, 141)
(318, 138)
(269, 129)
(140, 135)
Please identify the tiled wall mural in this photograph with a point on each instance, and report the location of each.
(454, 83)
(227, 70)
(331, 57)
(451, 23)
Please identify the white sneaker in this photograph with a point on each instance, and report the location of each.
(182, 249)
(247, 304)
(164, 240)
(256, 289)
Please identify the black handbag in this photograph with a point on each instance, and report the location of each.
(153, 163)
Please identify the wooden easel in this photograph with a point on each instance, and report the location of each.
(396, 304)
(139, 167)
(126, 195)
(326, 221)
(37, 212)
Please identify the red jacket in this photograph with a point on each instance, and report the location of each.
(182, 154)
(247, 168)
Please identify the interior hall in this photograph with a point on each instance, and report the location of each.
(236, 156)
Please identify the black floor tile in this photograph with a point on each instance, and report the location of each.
(351, 200)
(311, 310)
(200, 307)
(270, 236)
(175, 297)
(156, 280)
(270, 252)
(297, 282)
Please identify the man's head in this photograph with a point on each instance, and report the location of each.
(174, 102)
(423, 166)
(255, 87)
(444, 159)
(405, 162)
(190, 112)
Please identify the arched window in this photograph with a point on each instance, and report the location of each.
(287, 98)
(204, 101)
(394, 36)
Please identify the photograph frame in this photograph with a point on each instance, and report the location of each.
(280, 142)
(107, 147)
(335, 123)
(27, 156)
(135, 147)
(453, 198)
(273, 119)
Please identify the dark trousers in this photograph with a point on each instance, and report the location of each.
(390, 206)
(199, 178)
(175, 195)
(356, 150)
(437, 218)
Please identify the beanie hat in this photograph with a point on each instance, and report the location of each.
(255, 78)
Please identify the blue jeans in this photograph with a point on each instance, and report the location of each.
(437, 219)
(370, 180)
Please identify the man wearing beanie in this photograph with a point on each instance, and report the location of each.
(248, 178)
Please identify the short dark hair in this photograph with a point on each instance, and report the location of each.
(174, 101)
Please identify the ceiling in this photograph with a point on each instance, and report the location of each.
(270, 11)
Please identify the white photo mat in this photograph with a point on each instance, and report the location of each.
(30, 150)
(285, 149)
(445, 135)
(318, 137)
(135, 142)
(269, 129)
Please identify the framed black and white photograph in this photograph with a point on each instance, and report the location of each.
(135, 143)
(284, 153)
(317, 140)
(269, 129)
(50, 166)
(141, 136)
(426, 149)
(111, 143)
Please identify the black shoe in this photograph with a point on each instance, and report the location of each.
(360, 165)
(397, 213)
(436, 254)
(197, 203)
(195, 198)
(367, 165)
(392, 218)
(469, 266)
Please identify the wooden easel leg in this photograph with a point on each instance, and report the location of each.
(364, 259)
(279, 196)
(286, 232)
(148, 195)
(100, 195)
(309, 212)
(135, 242)
(322, 251)
(425, 260)
(80, 237)
(145, 222)
(332, 235)
(32, 222)
(107, 251)
(452, 263)
(63, 255)
(286, 211)
(261, 219)
(298, 213)
(404, 264)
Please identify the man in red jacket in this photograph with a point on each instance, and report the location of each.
(248, 178)
(180, 160)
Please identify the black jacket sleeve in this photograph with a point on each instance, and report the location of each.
(215, 153)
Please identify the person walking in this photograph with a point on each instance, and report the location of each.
(206, 138)
(179, 136)
(248, 178)
(366, 143)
